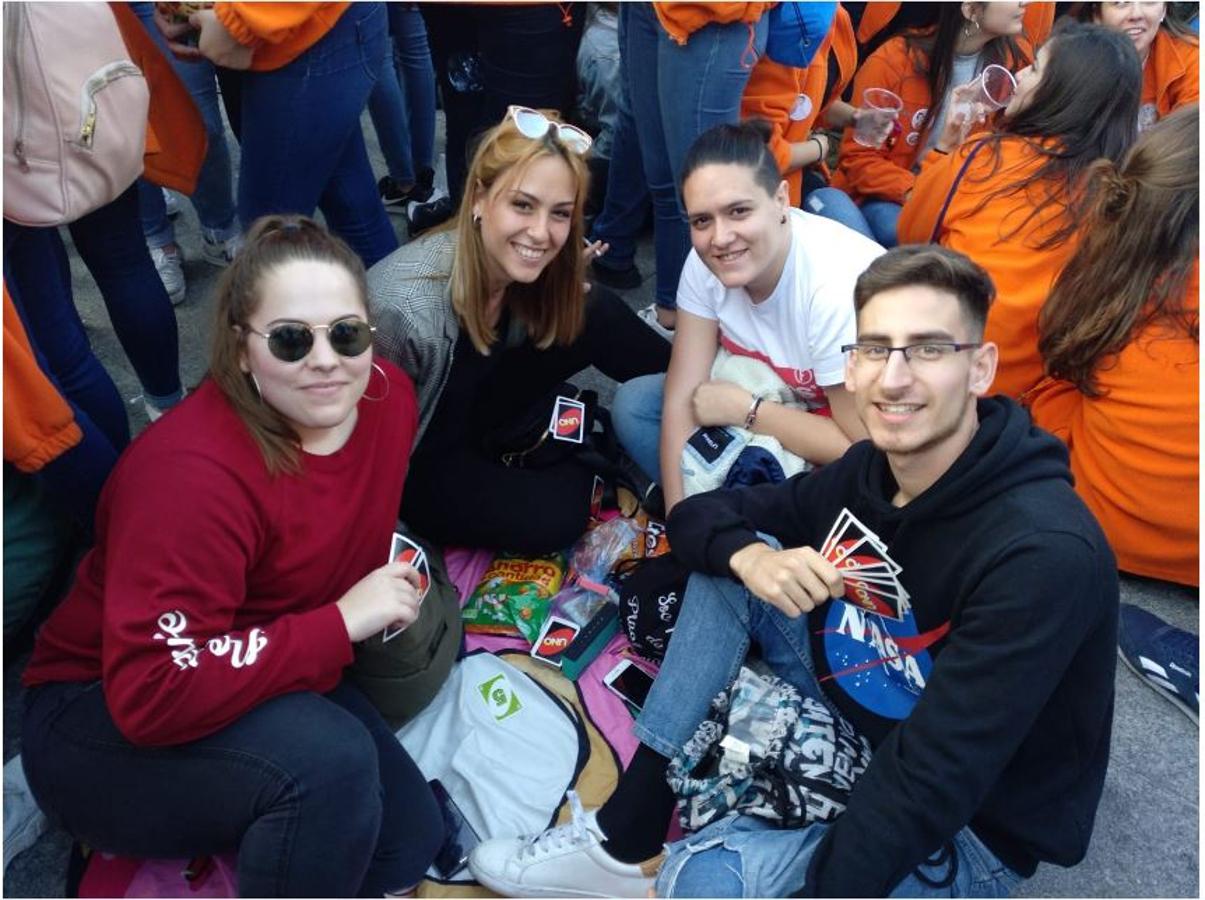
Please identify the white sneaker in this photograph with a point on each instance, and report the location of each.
(171, 272)
(221, 253)
(649, 316)
(566, 861)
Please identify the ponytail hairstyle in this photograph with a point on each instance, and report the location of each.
(744, 144)
(1085, 107)
(1140, 242)
(932, 53)
(271, 242)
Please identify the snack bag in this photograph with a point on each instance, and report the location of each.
(598, 551)
(514, 595)
(656, 542)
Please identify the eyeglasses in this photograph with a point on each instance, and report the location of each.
(929, 351)
(292, 341)
(534, 124)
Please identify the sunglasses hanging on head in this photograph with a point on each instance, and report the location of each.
(534, 124)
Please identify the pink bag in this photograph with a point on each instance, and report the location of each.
(75, 112)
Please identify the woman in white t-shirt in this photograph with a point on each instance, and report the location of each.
(764, 281)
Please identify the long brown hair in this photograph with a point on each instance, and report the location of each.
(1085, 107)
(553, 306)
(271, 241)
(932, 53)
(1140, 241)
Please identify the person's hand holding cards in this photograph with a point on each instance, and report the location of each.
(415, 569)
(387, 597)
(793, 581)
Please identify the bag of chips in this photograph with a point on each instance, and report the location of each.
(514, 595)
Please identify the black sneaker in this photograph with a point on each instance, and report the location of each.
(618, 279)
(393, 195)
(421, 216)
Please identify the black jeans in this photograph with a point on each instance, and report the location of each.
(313, 790)
(466, 497)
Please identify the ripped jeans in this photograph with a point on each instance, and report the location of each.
(742, 856)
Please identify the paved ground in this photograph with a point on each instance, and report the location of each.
(1147, 830)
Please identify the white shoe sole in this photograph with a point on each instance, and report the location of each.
(513, 889)
(1170, 698)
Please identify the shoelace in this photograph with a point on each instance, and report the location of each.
(572, 833)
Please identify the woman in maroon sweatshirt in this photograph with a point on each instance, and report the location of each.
(188, 696)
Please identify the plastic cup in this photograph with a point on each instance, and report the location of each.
(994, 88)
(880, 107)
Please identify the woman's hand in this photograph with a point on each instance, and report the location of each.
(175, 31)
(216, 44)
(387, 596)
(966, 111)
(720, 403)
(593, 251)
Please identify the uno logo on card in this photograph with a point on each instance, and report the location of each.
(556, 640)
(408, 555)
(568, 422)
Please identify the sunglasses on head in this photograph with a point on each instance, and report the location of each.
(292, 341)
(534, 124)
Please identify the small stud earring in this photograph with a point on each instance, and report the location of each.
(783, 220)
(476, 218)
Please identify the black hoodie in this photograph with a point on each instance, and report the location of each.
(1003, 723)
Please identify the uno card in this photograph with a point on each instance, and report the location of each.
(881, 599)
(402, 549)
(555, 638)
(568, 420)
(597, 492)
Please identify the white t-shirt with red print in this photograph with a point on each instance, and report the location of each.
(799, 329)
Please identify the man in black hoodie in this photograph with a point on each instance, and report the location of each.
(989, 704)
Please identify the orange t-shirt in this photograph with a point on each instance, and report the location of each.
(1170, 79)
(279, 32)
(1135, 450)
(998, 236)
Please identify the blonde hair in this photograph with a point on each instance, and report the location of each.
(553, 306)
(272, 241)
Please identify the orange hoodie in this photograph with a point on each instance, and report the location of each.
(38, 424)
(886, 173)
(1135, 450)
(776, 93)
(1170, 79)
(993, 235)
(681, 20)
(1037, 21)
(279, 32)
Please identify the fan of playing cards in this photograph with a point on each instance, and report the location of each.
(871, 576)
(402, 549)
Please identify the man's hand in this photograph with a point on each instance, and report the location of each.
(216, 43)
(793, 581)
(720, 403)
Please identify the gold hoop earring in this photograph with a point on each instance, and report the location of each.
(966, 29)
(386, 379)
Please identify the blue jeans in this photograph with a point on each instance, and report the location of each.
(678, 93)
(738, 856)
(38, 278)
(302, 147)
(213, 198)
(626, 205)
(636, 415)
(876, 219)
(402, 104)
(314, 791)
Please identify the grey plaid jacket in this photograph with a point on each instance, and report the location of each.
(410, 302)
